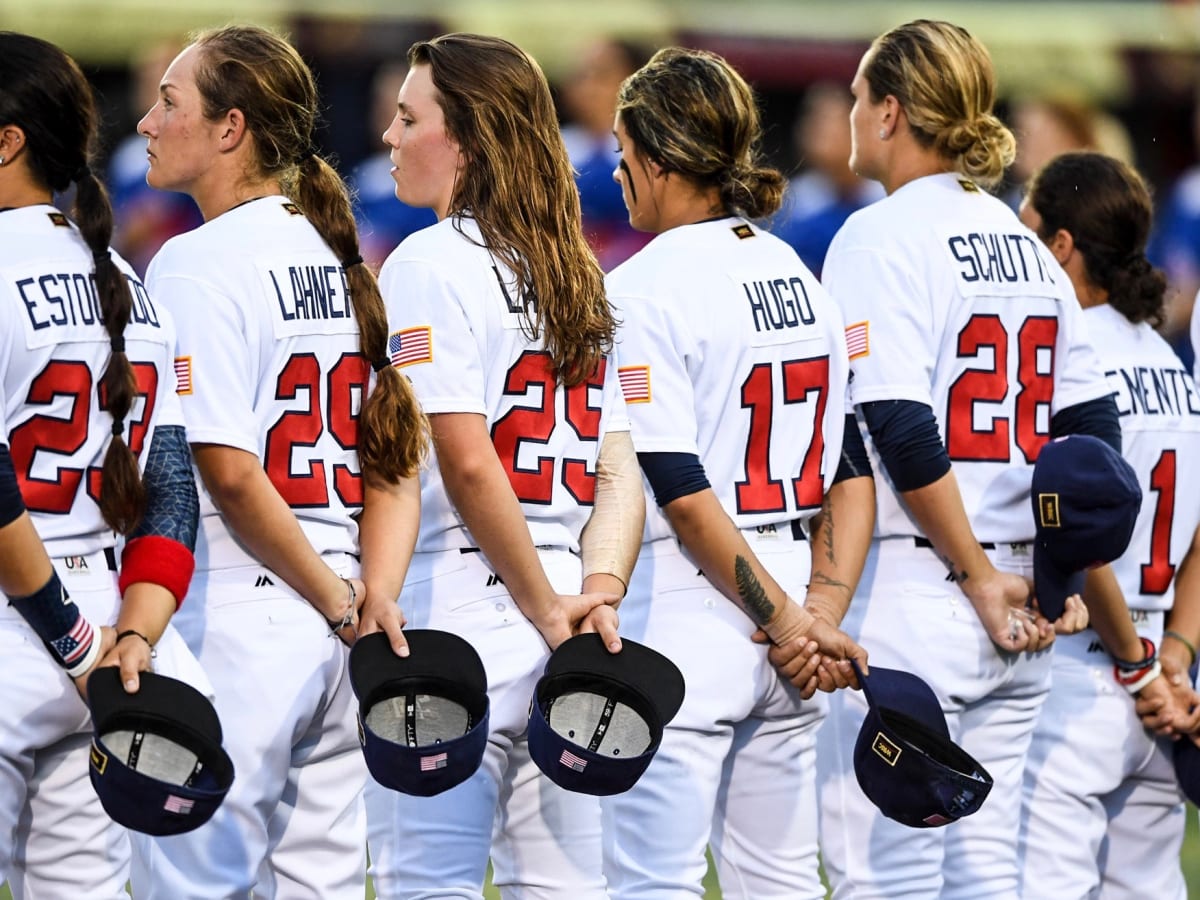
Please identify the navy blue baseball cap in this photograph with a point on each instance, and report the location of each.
(1085, 500)
(904, 759)
(597, 717)
(156, 760)
(422, 718)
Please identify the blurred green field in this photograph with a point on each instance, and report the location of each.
(1191, 869)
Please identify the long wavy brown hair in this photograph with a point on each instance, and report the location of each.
(261, 74)
(519, 187)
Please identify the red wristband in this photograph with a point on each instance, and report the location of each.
(157, 560)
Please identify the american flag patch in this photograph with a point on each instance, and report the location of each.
(571, 761)
(183, 374)
(635, 383)
(73, 645)
(411, 346)
(432, 763)
(858, 341)
(180, 805)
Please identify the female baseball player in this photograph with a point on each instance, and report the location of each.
(734, 368)
(87, 400)
(1092, 762)
(305, 461)
(531, 512)
(967, 355)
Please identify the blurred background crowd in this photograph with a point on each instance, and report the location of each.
(1122, 77)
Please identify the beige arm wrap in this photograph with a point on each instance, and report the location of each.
(612, 537)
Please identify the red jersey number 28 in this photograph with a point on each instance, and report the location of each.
(985, 337)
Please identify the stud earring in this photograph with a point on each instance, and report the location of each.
(1, 160)
(882, 133)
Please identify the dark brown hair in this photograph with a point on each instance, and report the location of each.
(47, 96)
(690, 112)
(255, 71)
(1105, 206)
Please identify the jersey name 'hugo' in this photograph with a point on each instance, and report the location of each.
(778, 303)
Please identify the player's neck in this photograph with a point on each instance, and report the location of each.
(18, 192)
(220, 198)
(908, 167)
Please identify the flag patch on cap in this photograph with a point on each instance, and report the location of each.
(433, 763)
(180, 805)
(858, 339)
(635, 383)
(411, 346)
(571, 761)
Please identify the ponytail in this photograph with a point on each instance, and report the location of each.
(393, 431)
(122, 494)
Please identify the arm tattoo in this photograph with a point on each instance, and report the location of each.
(827, 517)
(954, 573)
(754, 597)
(823, 579)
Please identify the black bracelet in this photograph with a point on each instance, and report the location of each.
(1150, 659)
(129, 631)
(335, 625)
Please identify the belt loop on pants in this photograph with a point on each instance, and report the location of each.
(110, 557)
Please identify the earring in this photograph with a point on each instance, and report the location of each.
(1, 160)
(882, 133)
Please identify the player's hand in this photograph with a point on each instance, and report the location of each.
(1001, 600)
(565, 617)
(1183, 699)
(1074, 618)
(379, 613)
(798, 660)
(132, 655)
(1161, 709)
(108, 640)
(603, 620)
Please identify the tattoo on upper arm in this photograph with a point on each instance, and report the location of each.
(754, 596)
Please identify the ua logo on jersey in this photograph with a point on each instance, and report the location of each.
(494, 580)
(263, 581)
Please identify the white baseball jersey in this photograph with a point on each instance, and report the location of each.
(53, 353)
(458, 332)
(268, 362)
(731, 350)
(965, 310)
(1196, 337)
(1160, 434)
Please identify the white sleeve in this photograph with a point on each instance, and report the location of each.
(431, 339)
(615, 415)
(659, 394)
(1196, 338)
(212, 359)
(888, 316)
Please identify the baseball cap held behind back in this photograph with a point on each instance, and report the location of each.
(904, 759)
(1085, 504)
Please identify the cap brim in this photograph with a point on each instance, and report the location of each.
(906, 693)
(159, 699)
(1052, 584)
(636, 666)
(434, 656)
